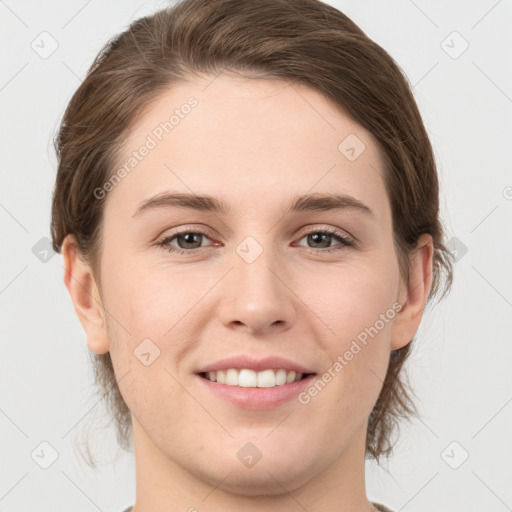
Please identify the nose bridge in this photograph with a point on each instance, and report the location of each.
(255, 266)
(258, 296)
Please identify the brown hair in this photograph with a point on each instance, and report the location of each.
(304, 41)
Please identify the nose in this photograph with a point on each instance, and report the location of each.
(257, 295)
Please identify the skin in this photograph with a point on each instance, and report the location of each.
(255, 143)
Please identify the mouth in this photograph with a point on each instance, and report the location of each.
(251, 383)
(247, 378)
(255, 390)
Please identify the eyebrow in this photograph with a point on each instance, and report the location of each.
(208, 203)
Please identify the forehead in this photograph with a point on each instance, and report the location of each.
(247, 139)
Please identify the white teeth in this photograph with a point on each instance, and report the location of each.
(281, 377)
(247, 379)
(266, 379)
(231, 377)
(250, 379)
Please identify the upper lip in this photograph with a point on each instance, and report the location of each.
(252, 363)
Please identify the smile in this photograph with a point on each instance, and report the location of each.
(247, 378)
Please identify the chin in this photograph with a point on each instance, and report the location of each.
(263, 479)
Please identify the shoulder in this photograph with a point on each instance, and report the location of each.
(380, 507)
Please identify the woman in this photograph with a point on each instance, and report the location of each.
(247, 208)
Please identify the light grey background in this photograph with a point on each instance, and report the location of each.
(461, 362)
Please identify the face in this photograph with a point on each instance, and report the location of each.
(277, 284)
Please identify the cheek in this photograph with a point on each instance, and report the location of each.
(147, 302)
(359, 310)
(156, 313)
(356, 300)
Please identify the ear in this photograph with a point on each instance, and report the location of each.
(414, 295)
(80, 282)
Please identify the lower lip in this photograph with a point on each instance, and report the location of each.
(257, 398)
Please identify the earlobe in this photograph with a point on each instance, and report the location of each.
(416, 293)
(81, 284)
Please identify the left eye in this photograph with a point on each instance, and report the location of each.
(190, 241)
(329, 235)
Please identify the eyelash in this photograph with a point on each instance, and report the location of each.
(345, 241)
